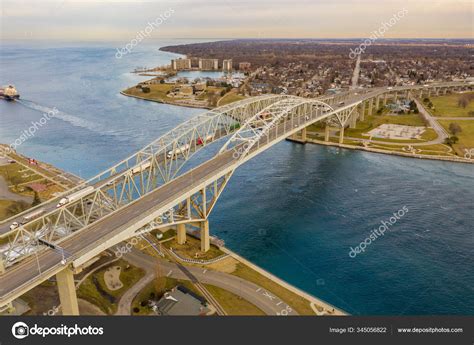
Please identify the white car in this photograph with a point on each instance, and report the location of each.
(14, 225)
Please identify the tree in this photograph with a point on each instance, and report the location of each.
(162, 81)
(463, 102)
(454, 128)
(451, 140)
(36, 199)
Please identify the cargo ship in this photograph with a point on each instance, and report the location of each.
(9, 93)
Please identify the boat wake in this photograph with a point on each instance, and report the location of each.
(71, 119)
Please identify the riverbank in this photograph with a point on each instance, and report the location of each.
(374, 150)
(26, 182)
(164, 102)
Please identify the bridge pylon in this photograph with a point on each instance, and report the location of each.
(67, 292)
(181, 233)
(205, 239)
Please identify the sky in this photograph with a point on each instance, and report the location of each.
(124, 19)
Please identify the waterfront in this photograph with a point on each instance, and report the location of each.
(295, 210)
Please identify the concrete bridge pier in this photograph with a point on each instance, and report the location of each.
(2, 266)
(326, 132)
(341, 135)
(353, 120)
(385, 96)
(377, 103)
(303, 134)
(205, 240)
(362, 111)
(181, 233)
(370, 106)
(67, 292)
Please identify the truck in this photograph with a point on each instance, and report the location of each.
(201, 141)
(141, 167)
(27, 218)
(173, 153)
(75, 196)
(33, 215)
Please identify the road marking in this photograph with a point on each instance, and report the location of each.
(169, 273)
(204, 271)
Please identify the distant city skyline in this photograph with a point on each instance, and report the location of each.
(122, 20)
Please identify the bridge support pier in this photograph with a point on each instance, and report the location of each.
(67, 292)
(303, 134)
(362, 111)
(181, 232)
(353, 120)
(377, 103)
(370, 107)
(385, 99)
(205, 240)
(326, 132)
(341, 135)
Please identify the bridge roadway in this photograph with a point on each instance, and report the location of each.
(27, 272)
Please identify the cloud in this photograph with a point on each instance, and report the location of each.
(121, 19)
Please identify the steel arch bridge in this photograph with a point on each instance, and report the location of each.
(158, 186)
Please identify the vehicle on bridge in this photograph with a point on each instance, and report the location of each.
(180, 150)
(141, 167)
(75, 196)
(27, 218)
(201, 141)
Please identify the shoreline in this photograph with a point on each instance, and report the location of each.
(164, 102)
(312, 299)
(380, 151)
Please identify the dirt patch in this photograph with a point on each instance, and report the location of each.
(112, 278)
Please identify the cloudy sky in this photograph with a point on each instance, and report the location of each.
(121, 19)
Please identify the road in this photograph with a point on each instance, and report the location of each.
(238, 286)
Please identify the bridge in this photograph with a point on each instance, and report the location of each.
(168, 183)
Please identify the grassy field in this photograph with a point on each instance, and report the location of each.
(466, 137)
(447, 106)
(192, 249)
(233, 304)
(157, 92)
(9, 208)
(374, 121)
(95, 291)
(300, 304)
(230, 97)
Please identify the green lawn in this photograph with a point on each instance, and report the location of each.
(94, 289)
(447, 106)
(374, 121)
(9, 208)
(157, 92)
(230, 97)
(466, 137)
(300, 304)
(193, 247)
(233, 304)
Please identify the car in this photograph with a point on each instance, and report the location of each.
(389, 88)
(14, 225)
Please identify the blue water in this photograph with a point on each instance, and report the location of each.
(295, 210)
